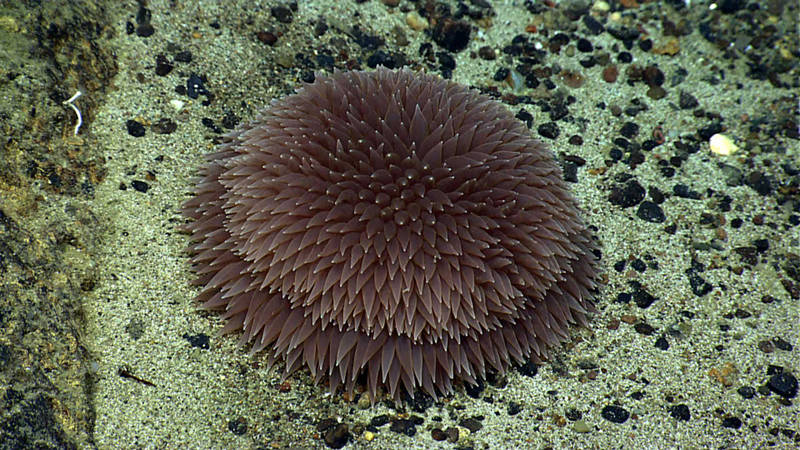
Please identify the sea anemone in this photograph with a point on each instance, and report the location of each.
(394, 225)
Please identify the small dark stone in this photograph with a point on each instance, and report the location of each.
(584, 45)
(528, 369)
(549, 130)
(209, 123)
(267, 37)
(573, 414)
(145, 30)
(782, 344)
(452, 34)
(195, 87)
(230, 120)
(525, 116)
(592, 24)
(421, 401)
(680, 412)
(687, 101)
(135, 128)
(183, 56)
(164, 126)
(732, 422)
(629, 130)
(783, 384)
(475, 390)
(446, 60)
(706, 132)
(616, 414)
(238, 426)
(163, 67)
(759, 182)
(644, 328)
(653, 76)
(683, 191)
(140, 186)
(625, 33)
(198, 340)
(281, 14)
(656, 92)
(514, 408)
(487, 53)
(404, 426)
(472, 424)
(650, 212)
(731, 6)
(501, 74)
(662, 343)
(382, 58)
(379, 421)
(628, 195)
(338, 436)
(747, 392)
(438, 434)
(700, 286)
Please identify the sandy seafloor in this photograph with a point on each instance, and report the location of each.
(722, 268)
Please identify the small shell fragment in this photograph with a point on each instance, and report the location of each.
(722, 145)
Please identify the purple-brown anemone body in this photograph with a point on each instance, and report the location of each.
(391, 224)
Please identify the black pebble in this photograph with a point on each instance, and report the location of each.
(628, 195)
(472, 424)
(238, 426)
(452, 35)
(616, 414)
(379, 421)
(198, 340)
(421, 402)
(629, 130)
(759, 182)
(140, 186)
(747, 392)
(687, 101)
(783, 384)
(514, 408)
(650, 212)
(700, 286)
(163, 67)
(584, 45)
(549, 130)
(528, 369)
(644, 328)
(165, 126)
(732, 422)
(135, 128)
(592, 24)
(145, 30)
(680, 412)
(404, 426)
(195, 87)
(184, 56)
(662, 343)
(338, 436)
(282, 14)
(475, 390)
(208, 123)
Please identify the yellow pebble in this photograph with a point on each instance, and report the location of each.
(416, 22)
(369, 435)
(722, 145)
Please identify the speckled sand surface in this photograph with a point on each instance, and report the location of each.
(141, 319)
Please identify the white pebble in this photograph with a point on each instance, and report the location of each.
(722, 145)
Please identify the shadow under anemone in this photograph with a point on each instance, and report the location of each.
(390, 223)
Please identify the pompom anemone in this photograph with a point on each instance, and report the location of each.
(391, 224)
